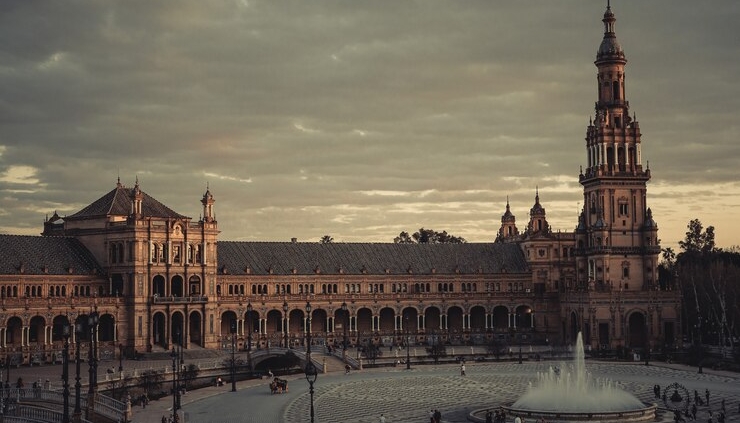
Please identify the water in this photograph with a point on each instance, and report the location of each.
(572, 389)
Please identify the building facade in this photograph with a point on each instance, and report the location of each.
(158, 278)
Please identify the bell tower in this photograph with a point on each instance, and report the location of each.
(616, 237)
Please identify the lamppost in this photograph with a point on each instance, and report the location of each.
(233, 362)
(647, 354)
(518, 330)
(175, 390)
(120, 358)
(520, 343)
(78, 386)
(308, 331)
(285, 322)
(408, 345)
(65, 374)
(92, 320)
(346, 324)
(178, 372)
(251, 328)
(311, 371)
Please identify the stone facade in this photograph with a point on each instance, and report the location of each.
(157, 277)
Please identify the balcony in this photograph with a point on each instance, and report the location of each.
(193, 299)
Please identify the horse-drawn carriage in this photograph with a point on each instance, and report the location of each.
(278, 386)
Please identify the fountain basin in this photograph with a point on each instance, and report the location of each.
(637, 415)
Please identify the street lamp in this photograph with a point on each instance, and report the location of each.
(175, 390)
(92, 320)
(346, 324)
(308, 331)
(647, 354)
(180, 367)
(78, 386)
(311, 374)
(120, 358)
(233, 363)
(408, 345)
(65, 374)
(518, 330)
(311, 370)
(249, 323)
(285, 322)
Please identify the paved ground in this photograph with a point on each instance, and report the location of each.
(407, 395)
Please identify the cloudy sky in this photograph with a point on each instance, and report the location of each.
(360, 119)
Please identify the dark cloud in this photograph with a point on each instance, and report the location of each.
(358, 119)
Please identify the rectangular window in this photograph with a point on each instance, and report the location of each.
(141, 326)
(210, 323)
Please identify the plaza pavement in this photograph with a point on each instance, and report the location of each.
(407, 395)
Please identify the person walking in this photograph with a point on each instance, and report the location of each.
(382, 418)
(489, 416)
(462, 369)
(706, 394)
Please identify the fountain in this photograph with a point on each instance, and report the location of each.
(570, 394)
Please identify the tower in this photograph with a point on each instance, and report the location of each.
(616, 237)
(508, 229)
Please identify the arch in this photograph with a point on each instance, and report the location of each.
(176, 286)
(194, 287)
(478, 318)
(36, 328)
(455, 319)
(228, 321)
(319, 320)
(159, 329)
(386, 319)
(500, 317)
(158, 286)
(14, 331)
(177, 328)
(296, 321)
(274, 322)
(364, 320)
(195, 328)
(524, 317)
(637, 330)
(57, 327)
(432, 319)
(410, 319)
(575, 327)
(81, 321)
(107, 328)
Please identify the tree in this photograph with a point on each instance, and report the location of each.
(697, 241)
(326, 239)
(707, 277)
(189, 373)
(151, 380)
(428, 236)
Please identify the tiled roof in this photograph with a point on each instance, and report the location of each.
(118, 203)
(358, 258)
(37, 255)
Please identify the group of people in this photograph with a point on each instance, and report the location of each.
(435, 416)
(498, 417)
(690, 412)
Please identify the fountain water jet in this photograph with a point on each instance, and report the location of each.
(571, 395)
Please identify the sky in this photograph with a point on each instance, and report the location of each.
(360, 119)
